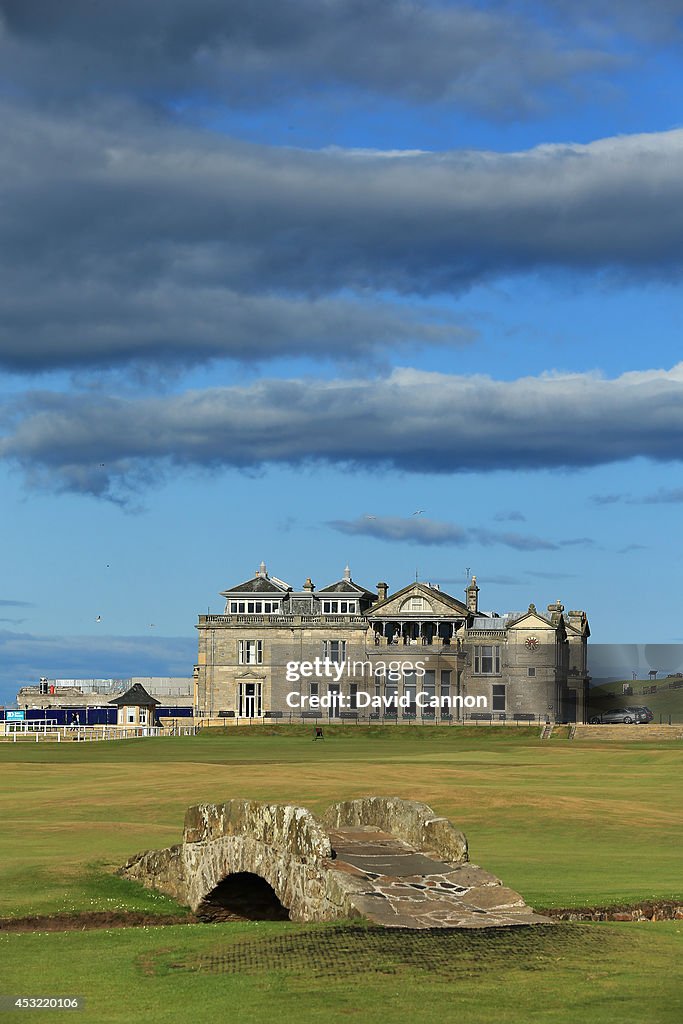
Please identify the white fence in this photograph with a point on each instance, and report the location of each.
(48, 729)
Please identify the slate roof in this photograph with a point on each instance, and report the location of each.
(136, 696)
(489, 622)
(257, 585)
(345, 587)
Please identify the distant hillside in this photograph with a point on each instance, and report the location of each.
(667, 699)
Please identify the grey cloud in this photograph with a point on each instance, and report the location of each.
(552, 575)
(657, 22)
(518, 541)
(11, 603)
(509, 517)
(661, 497)
(128, 238)
(493, 59)
(606, 499)
(664, 496)
(95, 323)
(103, 445)
(501, 581)
(416, 531)
(25, 657)
(504, 581)
(431, 532)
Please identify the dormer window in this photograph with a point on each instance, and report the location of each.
(340, 607)
(253, 607)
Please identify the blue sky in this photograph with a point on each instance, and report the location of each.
(278, 276)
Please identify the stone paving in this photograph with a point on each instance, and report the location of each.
(400, 887)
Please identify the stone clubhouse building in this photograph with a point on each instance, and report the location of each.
(345, 652)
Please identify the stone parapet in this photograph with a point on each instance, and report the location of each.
(413, 822)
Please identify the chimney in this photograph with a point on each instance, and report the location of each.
(382, 591)
(308, 585)
(472, 596)
(577, 619)
(556, 611)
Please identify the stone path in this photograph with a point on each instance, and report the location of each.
(400, 887)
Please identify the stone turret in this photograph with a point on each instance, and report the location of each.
(472, 596)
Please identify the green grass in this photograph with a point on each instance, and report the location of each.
(664, 703)
(552, 819)
(565, 823)
(255, 972)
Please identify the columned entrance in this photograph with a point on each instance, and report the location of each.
(431, 632)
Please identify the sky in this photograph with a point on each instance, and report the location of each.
(376, 282)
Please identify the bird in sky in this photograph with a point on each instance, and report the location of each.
(98, 619)
(419, 512)
(370, 517)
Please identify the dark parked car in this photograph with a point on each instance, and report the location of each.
(622, 716)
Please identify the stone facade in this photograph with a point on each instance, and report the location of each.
(522, 665)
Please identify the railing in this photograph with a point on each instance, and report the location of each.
(481, 719)
(92, 733)
(281, 620)
(440, 644)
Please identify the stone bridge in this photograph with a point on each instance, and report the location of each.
(394, 862)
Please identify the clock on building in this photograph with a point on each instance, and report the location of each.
(531, 643)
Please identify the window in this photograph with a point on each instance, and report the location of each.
(335, 650)
(314, 689)
(250, 652)
(353, 696)
(487, 660)
(254, 607)
(416, 604)
(409, 691)
(429, 688)
(531, 670)
(445, 677)
(498, 703)
(339, 607)
(333, 692)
